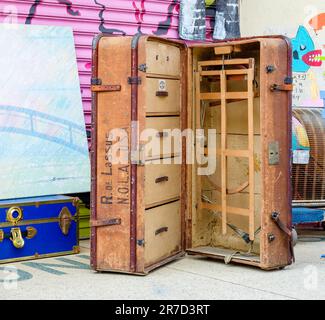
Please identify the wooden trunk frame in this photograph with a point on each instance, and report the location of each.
(224, 151)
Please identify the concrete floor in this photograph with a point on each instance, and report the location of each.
(189, 278)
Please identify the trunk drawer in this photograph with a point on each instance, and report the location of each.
(163, 96)
(163, 59)
(162, 182)
(162, 232)
(160, 145)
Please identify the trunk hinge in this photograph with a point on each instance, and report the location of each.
(143, 67)
(134, 80)
(275, 216)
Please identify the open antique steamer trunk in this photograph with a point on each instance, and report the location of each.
(145, 212)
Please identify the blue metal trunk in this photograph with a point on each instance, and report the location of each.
(40, 227)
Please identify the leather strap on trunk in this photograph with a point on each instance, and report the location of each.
(275, 216)
(105, 88)
(134, 81)
(282, 87)
(104, 223)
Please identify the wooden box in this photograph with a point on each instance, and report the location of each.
(162, 201)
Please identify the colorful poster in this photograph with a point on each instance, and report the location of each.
(308, 65)
(300, 143)
(302, 21)
(43, 148)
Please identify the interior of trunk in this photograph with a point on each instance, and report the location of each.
(226, 210)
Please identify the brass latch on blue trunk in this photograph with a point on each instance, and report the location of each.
(16, 236)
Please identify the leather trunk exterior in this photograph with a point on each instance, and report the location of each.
(276, 122)
(110, 245)
(118, 191)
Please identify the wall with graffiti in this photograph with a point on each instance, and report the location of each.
(304, 22)
(125, 17)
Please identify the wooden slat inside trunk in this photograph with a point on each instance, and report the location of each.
(222, 253)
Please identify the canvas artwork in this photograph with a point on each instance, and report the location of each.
(306, 30)
(308, 64)
(43, 149)
(300, 143)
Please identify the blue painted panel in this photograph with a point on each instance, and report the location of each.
(43, 211)
(48, 240)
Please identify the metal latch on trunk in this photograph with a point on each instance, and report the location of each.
(16, 236)
(65, 219)
(143, 67)
(134, 80)
(274, 153)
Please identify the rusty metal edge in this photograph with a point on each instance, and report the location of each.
(134, 143)
(184, 117)
(289, 191)
(93, 155)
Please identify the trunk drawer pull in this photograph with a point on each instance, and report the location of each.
(162, 93)
(161, 179)
(161, 230)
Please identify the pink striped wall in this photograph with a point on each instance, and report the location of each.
(89, 17)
